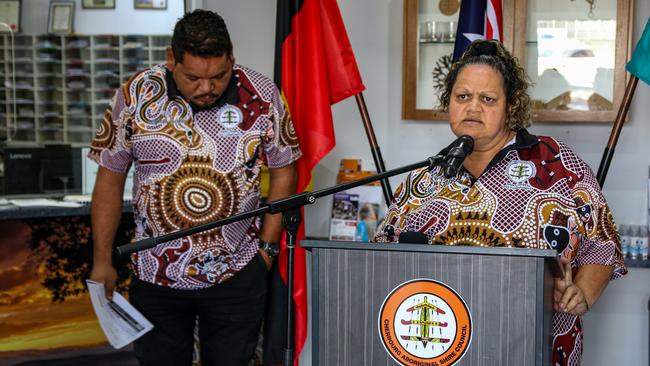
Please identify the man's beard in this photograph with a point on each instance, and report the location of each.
(200, 107)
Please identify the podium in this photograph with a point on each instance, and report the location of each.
(430, 305)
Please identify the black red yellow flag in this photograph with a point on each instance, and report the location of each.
(314, 68)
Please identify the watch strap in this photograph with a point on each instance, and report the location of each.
(272, 249)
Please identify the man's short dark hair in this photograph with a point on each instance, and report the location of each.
(201, 33)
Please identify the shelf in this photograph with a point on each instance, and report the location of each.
(637, 263)
(72, 80)
(20, 48)
(587, 54)
(50, 142)
(81, 129)
(437, 42)
(24, 128)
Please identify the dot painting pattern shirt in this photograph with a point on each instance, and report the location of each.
(195, 167)
(536, 193)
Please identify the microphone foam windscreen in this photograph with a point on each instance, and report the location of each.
(413, 237)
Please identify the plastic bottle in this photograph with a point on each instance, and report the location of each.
(635, 241)
(643, 243)
(624, 233)
(362, 232)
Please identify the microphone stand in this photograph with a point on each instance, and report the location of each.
(291, 219)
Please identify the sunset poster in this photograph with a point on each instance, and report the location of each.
(46, 317)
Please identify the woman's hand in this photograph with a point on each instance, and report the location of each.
(567, 296)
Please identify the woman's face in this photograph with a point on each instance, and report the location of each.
(477, 106)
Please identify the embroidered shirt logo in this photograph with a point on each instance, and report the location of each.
(425, 322)
(230, 116)
(520, 171)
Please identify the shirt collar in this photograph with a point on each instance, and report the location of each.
(523, 140)
(230, 96)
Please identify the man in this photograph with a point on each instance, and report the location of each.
(197, 131)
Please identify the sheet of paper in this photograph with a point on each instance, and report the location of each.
(81, 198)
(120, 321)
(87, 198)
(43, 202)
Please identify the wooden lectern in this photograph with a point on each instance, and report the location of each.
(430, 305)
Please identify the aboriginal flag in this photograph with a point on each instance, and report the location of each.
(314, 68)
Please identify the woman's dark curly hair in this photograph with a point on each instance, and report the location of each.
(515, 81)
(201, 33)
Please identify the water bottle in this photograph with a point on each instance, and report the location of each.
(643, 243)
(362, 232)
(624, 234)
(635, 241)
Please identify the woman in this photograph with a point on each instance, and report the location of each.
(515, 190)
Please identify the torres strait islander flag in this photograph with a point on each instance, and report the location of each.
(478, 19)
(638, 65)
(314, 68)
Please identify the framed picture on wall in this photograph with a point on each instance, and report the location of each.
(98, 4)
(9, 16)
(150, 4)
(61, 18)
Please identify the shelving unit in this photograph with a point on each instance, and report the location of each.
(424, 49)
(575, 61)
(63, 84)
(637, 263)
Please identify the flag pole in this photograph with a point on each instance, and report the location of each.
(291, 223)
(374, 147)
(616, 130)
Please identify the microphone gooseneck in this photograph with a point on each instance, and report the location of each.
(458, 151)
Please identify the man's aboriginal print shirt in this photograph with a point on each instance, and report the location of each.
(536, 193)
(192, 167)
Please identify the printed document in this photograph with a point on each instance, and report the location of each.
(120, 321)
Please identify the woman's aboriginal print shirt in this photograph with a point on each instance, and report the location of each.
(536, 193)
(195, 167)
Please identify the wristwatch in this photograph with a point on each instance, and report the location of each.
(272, 249)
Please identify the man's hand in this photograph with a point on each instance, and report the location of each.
(567, 296)
(267, 259)
(107, 275)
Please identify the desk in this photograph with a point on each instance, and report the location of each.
(19, 213)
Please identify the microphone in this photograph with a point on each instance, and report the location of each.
(413, 237)
(458, 151)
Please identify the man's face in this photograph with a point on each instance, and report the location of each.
(201, 80)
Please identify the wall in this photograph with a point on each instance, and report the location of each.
(124, 19)
(617, 326)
